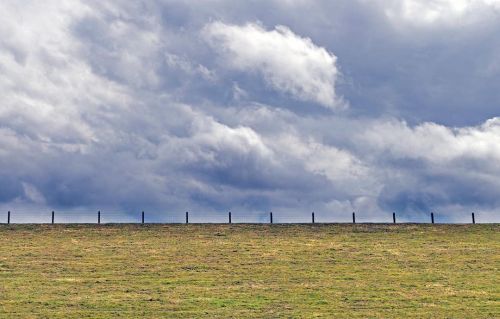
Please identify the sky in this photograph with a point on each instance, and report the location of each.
(252, 106)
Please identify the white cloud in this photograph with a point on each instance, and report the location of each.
(327, 160)
(175, 61)
(46, 87)
(214, 139)
(445, 12)
(288, 62)
(436, 143)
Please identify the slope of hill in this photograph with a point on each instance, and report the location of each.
(249, 271)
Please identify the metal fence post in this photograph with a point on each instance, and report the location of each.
(353, 217)
(432, 217)
(312, 215)
(271, 217)
(393, 218)
(98, 217)
(52, 217)
(230, 217)
(473, 218)
(8, 217)
(142, 217)
(187, 218)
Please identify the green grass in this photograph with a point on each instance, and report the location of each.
(250, 271)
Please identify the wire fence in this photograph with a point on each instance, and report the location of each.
(99, 217)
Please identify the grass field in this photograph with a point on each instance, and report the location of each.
(250, 271)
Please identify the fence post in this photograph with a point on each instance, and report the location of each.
(393, 218)
(52, 217)
(353, 218)
(230, 217)
(271, 217)
(473, 218)
(98, 217)
(187, 218)
(142, 217)
(8, 217)
(432, 217)
(312, 215)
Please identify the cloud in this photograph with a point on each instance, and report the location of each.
(339, 166)
(289, 63)
(438, 144)
(124, 107)
(46, 83)
(433, 167)
(444, 12)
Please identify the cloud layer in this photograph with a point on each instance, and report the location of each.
(165, 106)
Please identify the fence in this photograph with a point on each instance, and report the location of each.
(141, 219)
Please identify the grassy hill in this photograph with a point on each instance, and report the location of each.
(249, 271)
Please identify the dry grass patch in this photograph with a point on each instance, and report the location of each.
(249, 271)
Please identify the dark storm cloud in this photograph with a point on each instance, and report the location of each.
(251, 106)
